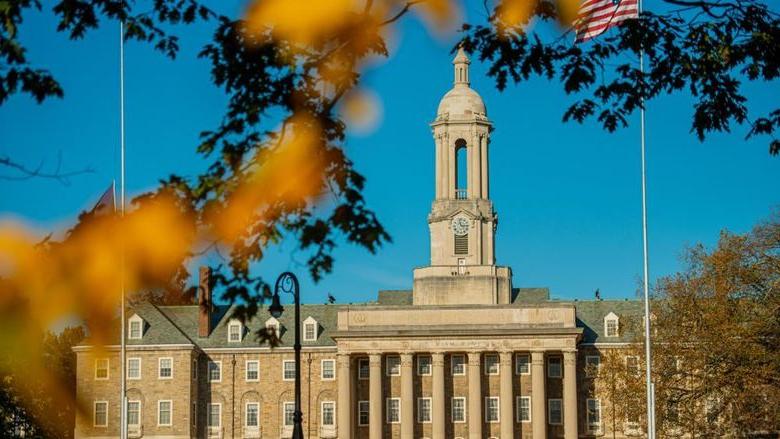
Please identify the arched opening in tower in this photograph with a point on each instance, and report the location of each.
(461, 176)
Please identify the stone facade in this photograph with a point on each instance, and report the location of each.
(464, 354)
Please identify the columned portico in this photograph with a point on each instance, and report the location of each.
(475, 395)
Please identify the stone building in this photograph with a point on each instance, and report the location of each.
(464, 354)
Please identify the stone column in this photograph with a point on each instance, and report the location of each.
(507, 420)
(344, 396)
(475, 396)
(439, 166)
(452, 171)
(483, 144)
(538, 398)
(570, 394)
(375, 396)
(438, 415)
(407, 395)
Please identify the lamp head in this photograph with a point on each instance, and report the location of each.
(276, 309)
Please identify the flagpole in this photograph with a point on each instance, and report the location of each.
(123, 379)
(646, 284)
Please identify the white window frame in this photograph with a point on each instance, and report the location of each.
(107, 368)
(286, 404)
(140, 373)
(170, 412)
(132, 320)
(333, 369)
(420, 372)
(284, 369)
(367, 412)
(246, 371)
(549, 410)
(159, 368)
(420, 418)
(209, 411)
(497, 364)
(322, 414)
(274, 325)
(388, 369)
(487, 409)
(246, 414)
(519, 402)
(558, 359)
(588, 359)
(306, 325)
(389, 409)
(462, 363)
(526, 363)
(638, 370)
(235, 324)
(593, 427)
(362, 361)
(94, 413)
(208, 371)
(452, 408)
(611, 317)
(140, 413)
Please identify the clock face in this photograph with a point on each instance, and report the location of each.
(460, 226)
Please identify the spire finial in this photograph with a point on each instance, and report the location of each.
(461, 63)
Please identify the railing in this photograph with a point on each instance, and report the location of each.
(461, 194)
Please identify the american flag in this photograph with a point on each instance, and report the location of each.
(596, 16)
(106, 204)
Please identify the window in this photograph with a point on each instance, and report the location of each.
(289, 414)
(611, 325)
(100, 415)
(328, 413)
(458, 409)
(491, 409)
(555, 411)
(362, 413)
(135, 328)
(288, 370)
(252, 417)
(363, 370)
(522, 364)
(134, 413)
(328, 370)
(214, 413)
(215, 371)
(424, 410)
(554, 367)
(523, 409)
(101, 369)
(273, 327)
(632, 365)
(310, 329)
(253, 370)
(491, 364)
(424, 365)
(393, 410)
(194, 369)
(164, 409)
(592, 365)
(458, 364)
(672, 412)
(235, 328)
(594, 415)
(165, 368)
(133, 368)
(393, 366)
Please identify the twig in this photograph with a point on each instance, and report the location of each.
(27, 173)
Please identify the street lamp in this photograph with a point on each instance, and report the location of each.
(288, 283)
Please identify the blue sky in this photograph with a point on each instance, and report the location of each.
(567, 195)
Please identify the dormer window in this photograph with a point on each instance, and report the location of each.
(135, 327)
(611, 325)
(310, 329)
(235, 331)
(273, 327)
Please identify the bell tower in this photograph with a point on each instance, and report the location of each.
(462, 220)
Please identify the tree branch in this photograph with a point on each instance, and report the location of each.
(27, 173)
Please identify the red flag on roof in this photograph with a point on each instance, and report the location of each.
(597, 16)
(106, 204)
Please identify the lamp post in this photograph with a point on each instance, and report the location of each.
(288, 283)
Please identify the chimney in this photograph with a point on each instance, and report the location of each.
(204, 302)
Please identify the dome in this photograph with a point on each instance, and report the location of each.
(461, 102)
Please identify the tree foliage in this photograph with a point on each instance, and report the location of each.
(707, 48)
